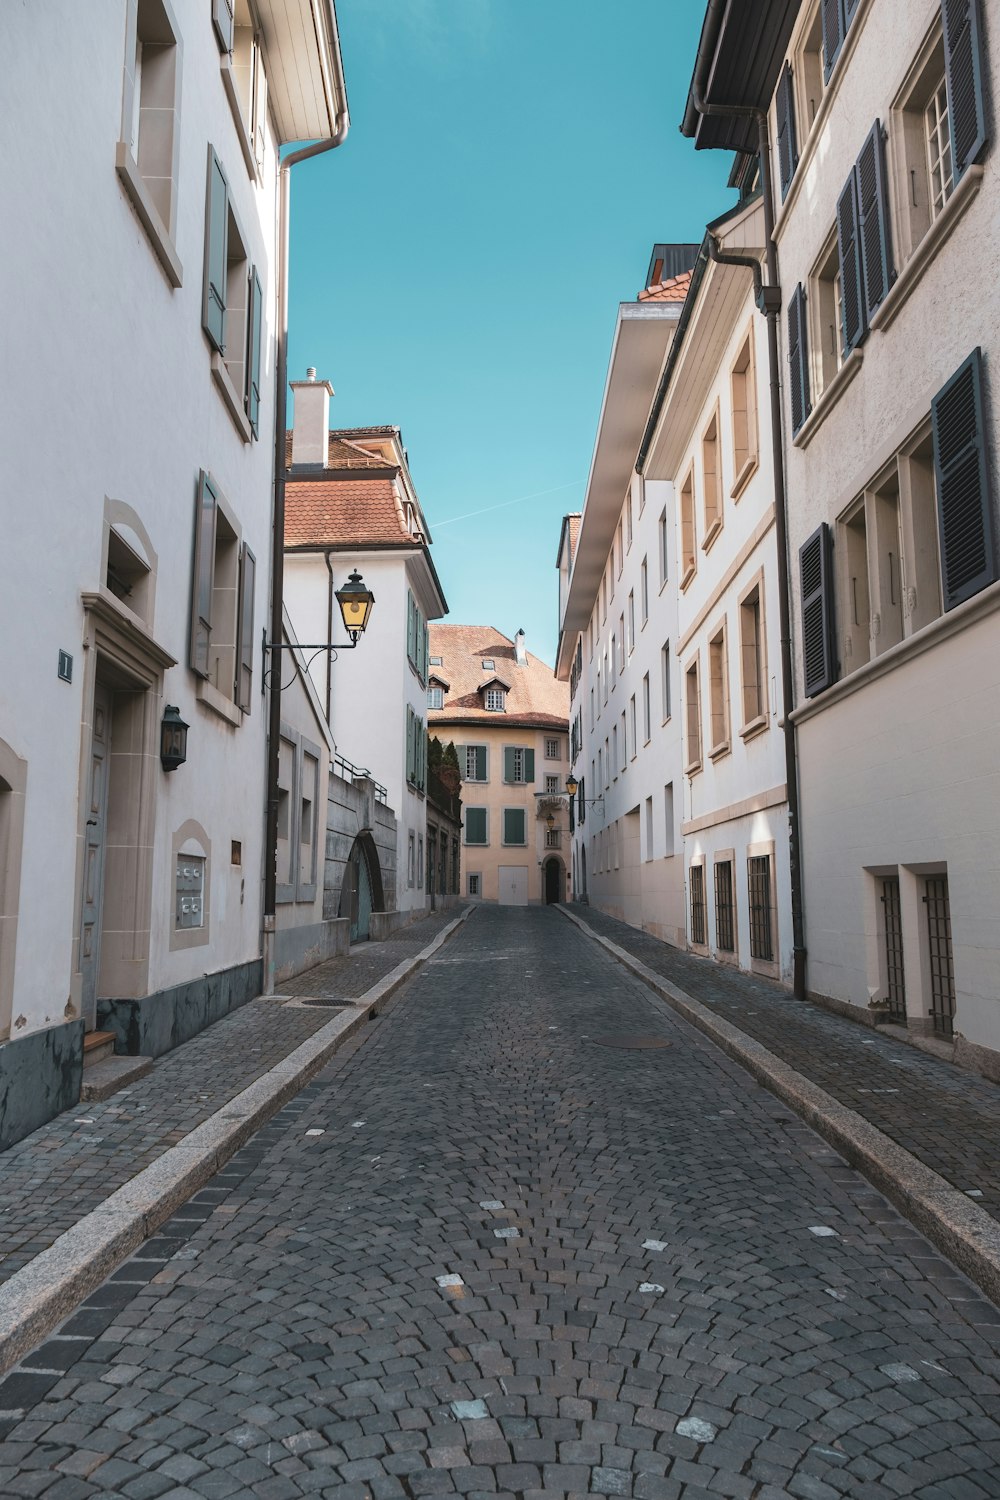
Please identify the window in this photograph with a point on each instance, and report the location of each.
(816, 596)
(552, 749)
(941, 957)
(668, 818)
(725, 925)
(689, 560)
(607, 764)
(665, 679)
(628, 518)
(799, 383)
(552, 788)
(938, 138)
(489, 665)
(148, 152)
(753, 666)
(661, 532)
(623, 741)
(435, 697)
(788, 154)
(810, 84)
(128, 574)
(630, 624)
(649, 828)
(416, 750)
(435, 661)
(474, 884)
(826, 343)
(244, 78)
(553, 838)
(644, 591)
(696, 885)
(712, 481)
(420, 860)
(633, 736)
(621, 643)
(692, 705)
(514, 825)
(476, 763)
(593, 720)
(743, 390)
(619, 550)
(308, 802)
(614, 658)
(646, 716)
(600, 765)
(718, 681)
(222, 602)
(477, 825)
(761, 907)
(863, 241)
(614, 748)
(496, 700)
(417, 637)
(607, 674)
(837, 16)
(518, 765)
(232, 305)
(411, 859)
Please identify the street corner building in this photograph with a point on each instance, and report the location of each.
(507, 716)
(132, 722)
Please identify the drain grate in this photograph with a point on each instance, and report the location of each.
(327, 1002)
(632, 1043)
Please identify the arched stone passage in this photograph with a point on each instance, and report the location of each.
(361, 892)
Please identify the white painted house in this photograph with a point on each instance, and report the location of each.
(136, 469)
(350, 503)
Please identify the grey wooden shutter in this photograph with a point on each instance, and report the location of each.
(513, 825)
(222, 20)
(833, 34)
(202, 575)
(481, 762)
(788, 152)
(254, 349)
(213, 315)
(816, 579)
(475, 825)
(873, 221)
(798, 358)
(508, 763)
(963, 65)
(853, 326)
(244, 653)
(529, 766)
(965, 516)
(410, 607)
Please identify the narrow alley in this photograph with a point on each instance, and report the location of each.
(528, 1233)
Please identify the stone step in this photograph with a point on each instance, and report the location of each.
(109, 1075)
(97, 1045)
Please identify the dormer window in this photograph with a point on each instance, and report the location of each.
(435, 696)
(489, 665)
(496, 700)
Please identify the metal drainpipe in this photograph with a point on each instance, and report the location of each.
(329, 632)
(330, 143)
(770, 307)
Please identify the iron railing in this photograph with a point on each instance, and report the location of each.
(759, 883)
(348, 771)
(725, 934)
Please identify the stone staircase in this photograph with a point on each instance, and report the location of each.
(103, 1072)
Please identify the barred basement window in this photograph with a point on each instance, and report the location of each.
(725, 935)
(697, 890)
(759, 886)
(892, 918)
(942, 959)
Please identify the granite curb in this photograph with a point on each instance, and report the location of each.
(45, 1291)
(968, 1235)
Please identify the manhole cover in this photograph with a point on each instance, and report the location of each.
(324, 1002)
(632, 1043)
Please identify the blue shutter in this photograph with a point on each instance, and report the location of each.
(788, 152)
(508, 763)
(853, 327)
(963, 64)
(877, 274)
(480, 752)
(833, 34)
(244, 649)
(475, 825)
(816, 579)
(529, 767)
(798, 358)
(213, 314)
(202, 574)
(222, 20)
(961, 472)
(513, 825)
(252, 396)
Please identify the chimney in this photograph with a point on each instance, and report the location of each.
(310, 432)
(520, 655)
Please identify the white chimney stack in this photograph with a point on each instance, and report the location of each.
(520, 655)
(310, 431)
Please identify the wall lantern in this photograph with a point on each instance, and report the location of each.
(173, 739)
(550, 821)
(572, 784)
(355, 602)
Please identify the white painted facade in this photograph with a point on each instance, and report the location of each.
(900, 789)
(116, 407)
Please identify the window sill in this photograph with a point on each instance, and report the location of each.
(692, 768)
(940, 231)
(754, 728)
(710, 536)
(829, 398)
(242, 134)
(210, 697)
(149, 218)
(233, 404)
(718, 751)
(686, 579)
(744, 477)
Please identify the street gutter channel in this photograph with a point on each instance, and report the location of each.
(966, 1234)
(50, 1287)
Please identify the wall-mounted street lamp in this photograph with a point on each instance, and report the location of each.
(356, 601)
(173, 738)
(572, 787)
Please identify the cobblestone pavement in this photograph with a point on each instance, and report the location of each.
(486, 1253)
(61, 1172)
(946, 1117)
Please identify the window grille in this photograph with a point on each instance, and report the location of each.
(937, 133)
(495, 700)
(942, 959)
(553, 838)
(697, 874)
(895, 982)
(725, 938)
(759, 882)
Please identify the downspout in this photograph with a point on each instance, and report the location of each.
(330, 143)
(768, 299)
(329, 633)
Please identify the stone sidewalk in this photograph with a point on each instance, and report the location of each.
(62, 1172)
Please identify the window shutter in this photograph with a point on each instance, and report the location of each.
(833, 34)
(475, 825)
(963, 66)
(798, 358)
(252, 393)
(581, 801)
(203, 575)
(788, 152)
(513, 825)
(529, 766)
(481, 762)
(222, 20)
(965, 517)
(259, 107)
(213, 314)
(508, 763)
(854, 327)
(409, 625)
(463, 768)
(873, 221)
(244, 655)
(816, 578)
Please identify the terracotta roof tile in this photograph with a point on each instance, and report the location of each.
(535, 696)
(346, 449)
(350, 512)
(674, 290)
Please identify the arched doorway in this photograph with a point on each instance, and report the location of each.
(361, 892)
(553, 881)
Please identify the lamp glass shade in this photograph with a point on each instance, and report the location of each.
(173, 738)
(550, 820)
(572, 785)
(355, 604)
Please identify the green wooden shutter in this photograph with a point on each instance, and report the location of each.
(508, 763)
(877, 274)
(961, 472)
(529, 766)
(202, 574)
(798, 358)
(213, 315)
(409, 624)
(513, 825)
(963, 64)
(853, 326)
(788, 153)
(222, 20)
(816, 578)
(475, 825)
(244, 649)
(252, 396)
(833, 34)
(581, 801)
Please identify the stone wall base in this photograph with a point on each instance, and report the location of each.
(40, 1076)
(299, 948)
(158, 1023)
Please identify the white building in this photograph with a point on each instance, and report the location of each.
(137, 455)
(350, 503)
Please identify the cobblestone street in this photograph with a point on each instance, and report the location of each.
(490, 1250)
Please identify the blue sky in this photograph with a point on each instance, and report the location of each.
(458, 263)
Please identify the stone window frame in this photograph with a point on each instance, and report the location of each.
(725, 955)
(296, 888)
(753, 724)
(711, 466)
(191, 838)
(124, 526)
(697, 862)
(720, 708)
(694, 748)
(13, 791)
(770, 968)
(244, 78)
(744, 369)
(150, 177)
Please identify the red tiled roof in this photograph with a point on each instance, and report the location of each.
(674, 290)
(346, 452)
(348, 512)
(535, 696)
